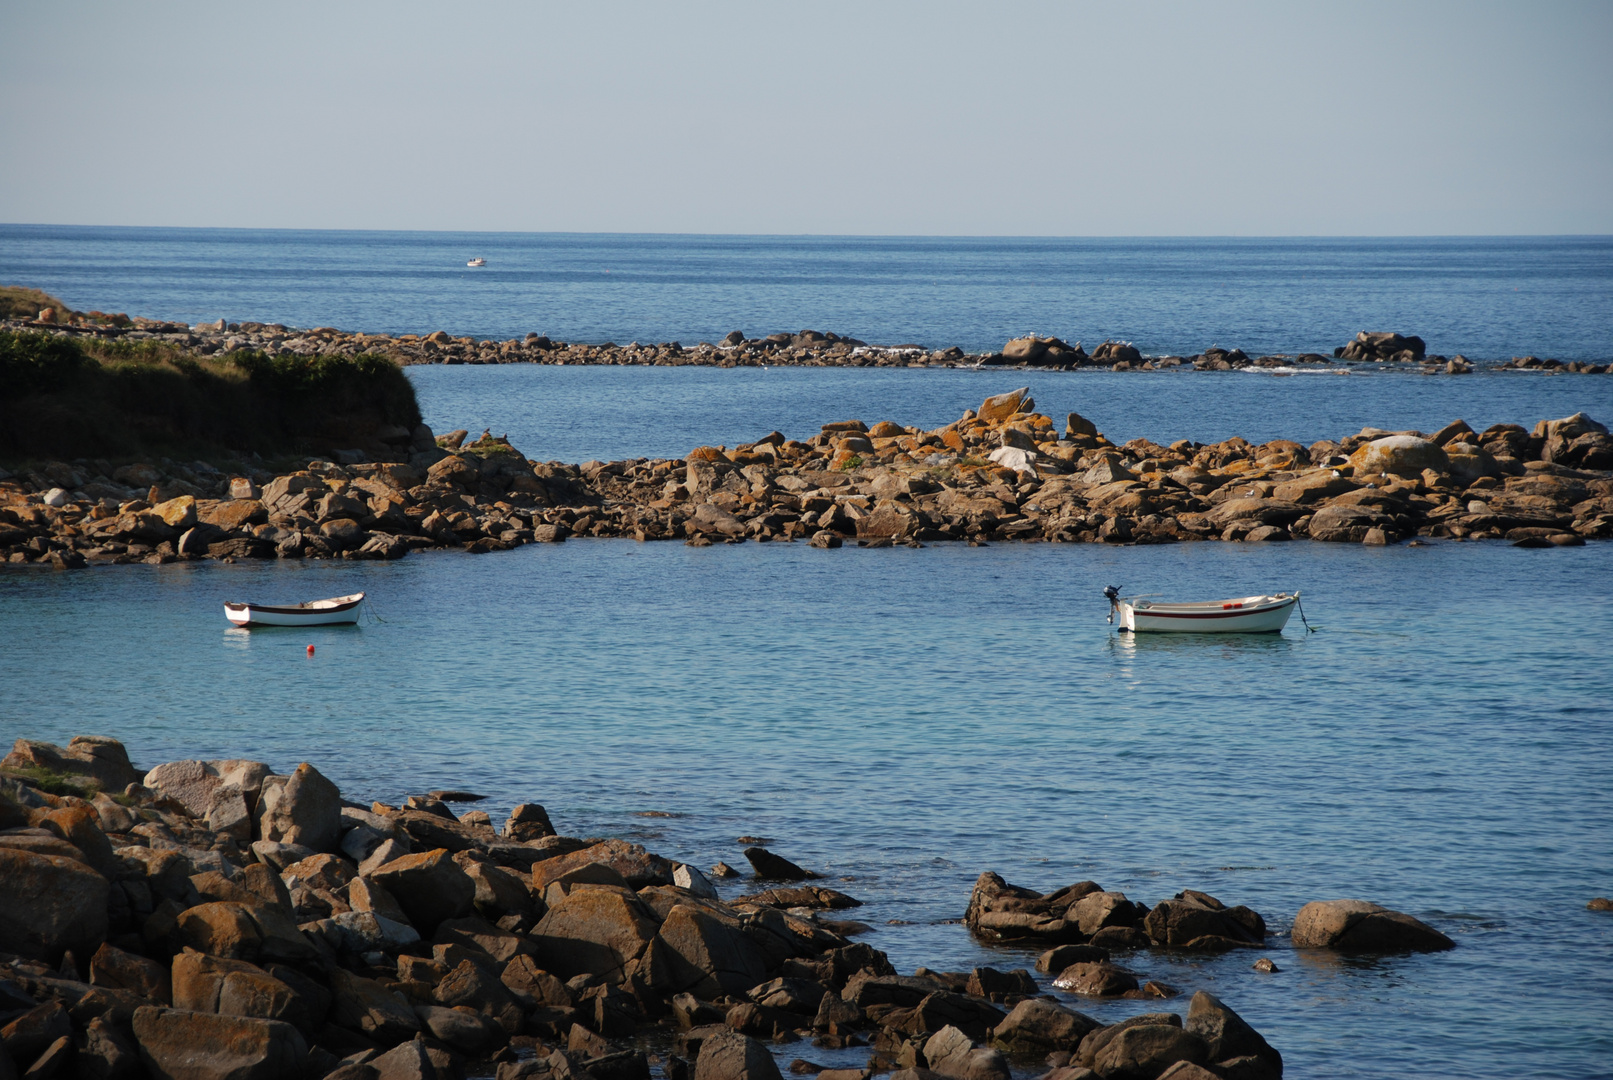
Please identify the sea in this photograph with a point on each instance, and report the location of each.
(1436, 736)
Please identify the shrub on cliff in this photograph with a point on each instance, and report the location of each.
(31, 363)
(65, 398)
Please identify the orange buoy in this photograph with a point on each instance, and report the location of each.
(310, 650)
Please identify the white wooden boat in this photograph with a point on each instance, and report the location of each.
(1243, 615)
(338, 609)
(477, 262)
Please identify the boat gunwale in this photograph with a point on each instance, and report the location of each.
(1199, 609)
(337, 604)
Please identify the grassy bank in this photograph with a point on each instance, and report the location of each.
(21, 302)
(66, 398)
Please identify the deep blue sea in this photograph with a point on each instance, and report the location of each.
(1486, 298)
(904, 719)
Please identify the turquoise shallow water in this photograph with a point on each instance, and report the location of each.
(905, 719)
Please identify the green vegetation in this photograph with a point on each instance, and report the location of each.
(853, 462)
(69, 398)
(55, 783)
(17, 302)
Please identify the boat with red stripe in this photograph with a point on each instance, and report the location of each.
(1242, 615)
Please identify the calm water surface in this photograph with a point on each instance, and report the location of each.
(1487, 298)
(905, 719)
(580, 413)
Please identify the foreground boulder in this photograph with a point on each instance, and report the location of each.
(594, 931)
(951, 1053)
(198, 784)
(52, 904)
(1039, 1025)
(304, 808)
(732, 1056)
(178, 1045)
(429, 886)
(709, 955)
(1363, 927)
(1144, 1051)
(1231, 1045)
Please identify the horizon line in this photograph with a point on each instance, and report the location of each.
(828, 235)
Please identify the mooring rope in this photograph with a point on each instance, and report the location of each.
(1309, 629)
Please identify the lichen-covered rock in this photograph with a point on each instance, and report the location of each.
(221, 928)
(369, 1008)
(1002, 406)
(94, 757)
(304, 808)
(732, 1056)
(195, 783)
(1400, 455)
(178, 1045)
(27, 1036)
(469, 1033)
(429, 886)
(236, 988)
(594, 931)
(81, 827)
(114, 967)
(52, 904)
(636, 866)
(709, 956)
(469, 986)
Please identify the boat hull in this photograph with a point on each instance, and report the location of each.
(342, 611)
(1230, 618)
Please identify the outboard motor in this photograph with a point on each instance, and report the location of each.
(1113, 593)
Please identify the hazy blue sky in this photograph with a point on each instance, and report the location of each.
(893, 118)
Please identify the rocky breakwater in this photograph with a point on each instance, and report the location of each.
(1001, 472)
(805, 348)
(216, 919)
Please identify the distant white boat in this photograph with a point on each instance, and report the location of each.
(339, 609)
(1244, 615)
(477, 262)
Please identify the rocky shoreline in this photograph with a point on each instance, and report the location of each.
(1001, 472)
(804, 348)
(208, 919)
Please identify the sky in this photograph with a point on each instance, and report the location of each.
(1172, 118)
